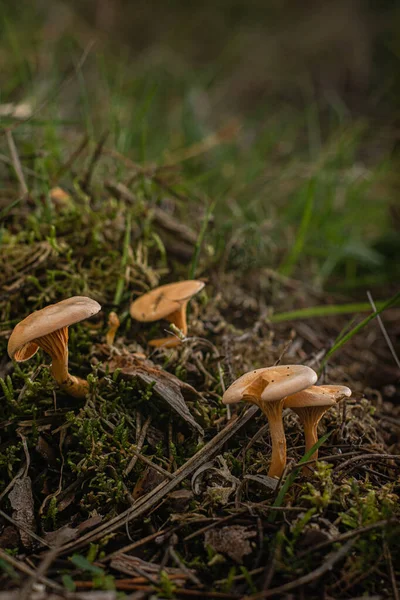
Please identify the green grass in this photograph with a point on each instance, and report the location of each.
(289, 187)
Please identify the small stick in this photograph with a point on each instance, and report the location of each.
(149, 463)
(223, 388)
(384, 331)
(270, 570)
(347, 536)
(119, 290)
(139, 446)
(326, 566)
(388, 556)
(71, 159)
(136, 544)
(17, 564)
(184, 568)
(364, 457)
(42, 569)
(16, 163)
(94, 160)
(33, 535)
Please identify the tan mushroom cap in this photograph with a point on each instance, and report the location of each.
(164, 300)
(277, 382)
(21, 345)
(318, 395)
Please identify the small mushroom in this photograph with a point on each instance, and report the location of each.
(310, 405)
(166, 302)
(48, 329)
(268, 389)
(113, 325)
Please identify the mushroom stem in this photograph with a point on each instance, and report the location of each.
(309, 418)
(56, 345)
(113, 325)
(311, 438)
(178, 318)
(273, 412)
(166, 342)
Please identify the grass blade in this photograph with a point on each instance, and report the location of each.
(121, 279)
(200, 239)
(345, 338)
(292, 476)
(7, 209)
(291, 260)
(328, 310)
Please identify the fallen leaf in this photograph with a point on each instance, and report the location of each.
(9, 537)
(149, 480)
(232, 540)
(61, 536)
(45, 450)
(167, 386)
(21, 500)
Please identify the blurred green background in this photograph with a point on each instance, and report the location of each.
(282, 116)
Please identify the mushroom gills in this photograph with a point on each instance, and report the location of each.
(55, 344)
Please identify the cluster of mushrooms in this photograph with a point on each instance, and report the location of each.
(271, 388)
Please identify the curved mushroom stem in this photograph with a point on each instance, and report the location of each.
(273, 412)
(177, 318)
(56, 345)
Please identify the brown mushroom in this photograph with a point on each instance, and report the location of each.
(268, 389)
(166, 302)
(48, 329)
(113, 325)
(310, 405)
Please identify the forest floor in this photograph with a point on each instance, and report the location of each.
(124, 491)
(149, 486)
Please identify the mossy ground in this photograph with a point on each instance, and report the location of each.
(76, 453)
(161, 199)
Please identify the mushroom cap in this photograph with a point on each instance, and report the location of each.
(318, 395)
(47, 320)
(164, 300)
(277, 383)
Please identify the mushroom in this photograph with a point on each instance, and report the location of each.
(48, 329)
(166, 302)
(268, 389)
(113, 325)
(310, 405)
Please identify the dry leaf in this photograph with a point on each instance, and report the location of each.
(21, 500)
(9, 537)
(232, 540)
(166, 386)
(149, 480)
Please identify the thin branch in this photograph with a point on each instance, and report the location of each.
(347, 536)
(392, 573)
(17, 564)
(384, 331)
(16, 163)
(139, 446)
(326, 566)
